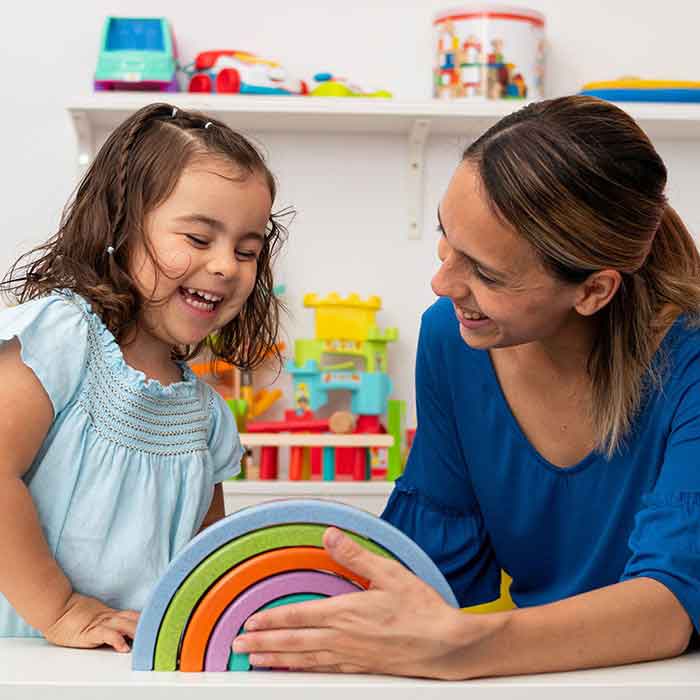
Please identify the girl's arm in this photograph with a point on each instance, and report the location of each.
(33, 583)
(216, 510)
(32, 580)
(401, 626)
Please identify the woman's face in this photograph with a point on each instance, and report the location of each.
(500, 291)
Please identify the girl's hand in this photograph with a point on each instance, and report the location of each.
(87, 623)
(400, 626)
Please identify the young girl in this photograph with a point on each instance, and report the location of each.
(112, 452)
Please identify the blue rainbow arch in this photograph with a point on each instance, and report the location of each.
(263, 522)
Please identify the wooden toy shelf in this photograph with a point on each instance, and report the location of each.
(368, 495)
(95, 115)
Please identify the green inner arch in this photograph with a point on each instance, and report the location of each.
(241, 662)
(203, 576)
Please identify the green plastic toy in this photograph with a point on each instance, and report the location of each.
(332, 86)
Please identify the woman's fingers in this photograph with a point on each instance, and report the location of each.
(285, 640)
(311, 613)
(383, 574)
(318, 661)
(379, 570)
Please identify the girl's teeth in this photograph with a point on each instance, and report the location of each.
(204, 295)
(199, 304)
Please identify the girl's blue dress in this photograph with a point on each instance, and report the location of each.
(126, 473)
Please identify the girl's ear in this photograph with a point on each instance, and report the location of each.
(597, 291)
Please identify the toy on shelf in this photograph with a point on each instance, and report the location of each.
(246, 403)
(638, 90)
(309, 436)
(489, 52)
(241, 564)
(137, 54)
(236, 386)
(240, 72)
(349, 354)
(333, 86)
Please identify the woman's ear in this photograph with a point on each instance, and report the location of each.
(597, 291)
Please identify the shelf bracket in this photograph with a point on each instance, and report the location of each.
(417, 139)
(86, 141)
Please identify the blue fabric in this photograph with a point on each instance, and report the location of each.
(126, 473)
(478, 497)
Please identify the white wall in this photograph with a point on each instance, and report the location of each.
(350, 192)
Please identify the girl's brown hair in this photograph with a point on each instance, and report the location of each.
(582, 183)
(135, 170)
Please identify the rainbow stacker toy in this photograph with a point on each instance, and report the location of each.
(262, 556)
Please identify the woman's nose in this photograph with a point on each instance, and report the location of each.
(446, 282)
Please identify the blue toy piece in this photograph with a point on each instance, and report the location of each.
(369, 391)
(262, 517)
(137, 54)
(639, 90)
(646, 95)
(329, 463)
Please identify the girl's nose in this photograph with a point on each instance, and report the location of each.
(222, 265)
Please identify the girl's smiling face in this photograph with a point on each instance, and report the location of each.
(500, 291)
(206, 238)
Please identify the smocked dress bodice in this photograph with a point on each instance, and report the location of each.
(126, 473)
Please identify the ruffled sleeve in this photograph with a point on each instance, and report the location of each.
(224, 442)
(52, 332)
(434, 501)
(665, 541)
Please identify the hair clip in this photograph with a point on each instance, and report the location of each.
(110, 250)
(207, 125)
(174, 113)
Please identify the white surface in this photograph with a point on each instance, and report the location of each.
(315, 114)
(315, 440)
(31, 669)
(368, 495)
(351, 189)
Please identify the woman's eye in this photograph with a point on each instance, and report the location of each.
(196, 240)
(484, 278)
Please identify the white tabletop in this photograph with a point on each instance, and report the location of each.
(30, 668)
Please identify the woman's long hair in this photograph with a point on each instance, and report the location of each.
(582, 183)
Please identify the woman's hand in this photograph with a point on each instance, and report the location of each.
(400, 626)
(88, 623)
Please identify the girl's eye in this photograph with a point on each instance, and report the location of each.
(246, 255)
(196, 240)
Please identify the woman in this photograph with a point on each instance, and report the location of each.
(558, 390)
